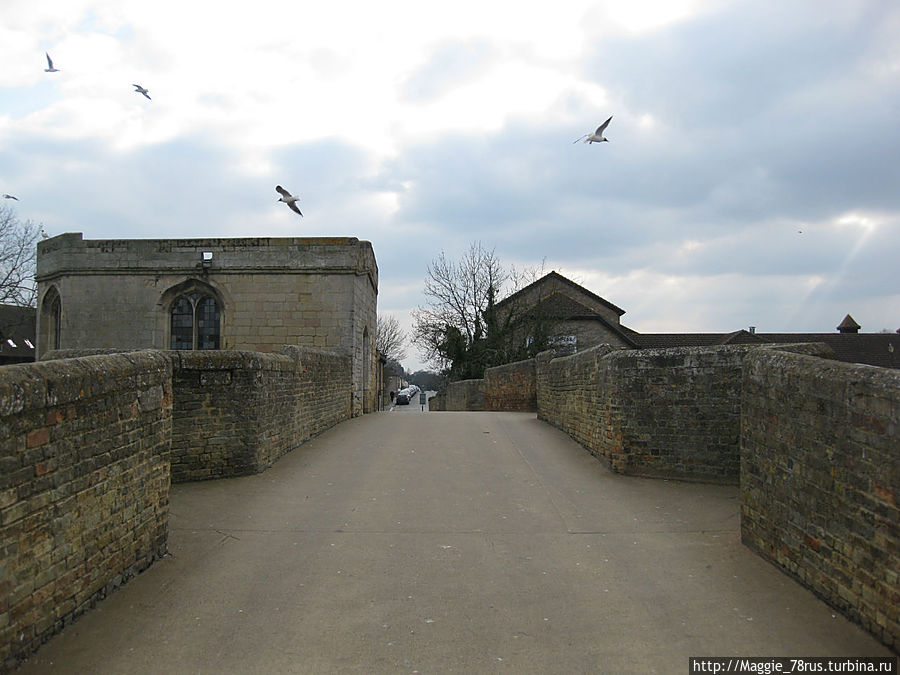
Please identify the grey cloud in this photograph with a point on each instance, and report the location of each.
(781, 118)
(725, 67)
(183, 184)
(449, 65)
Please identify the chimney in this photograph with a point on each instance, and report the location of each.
(752, 330)
(848, 325)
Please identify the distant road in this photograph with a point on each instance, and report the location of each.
(414, 406)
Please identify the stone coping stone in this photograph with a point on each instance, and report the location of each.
(48, 384)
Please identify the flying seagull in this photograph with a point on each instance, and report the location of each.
(288, 198)
(50, 68)
(140, 90)
(5, 196)
(597, 136)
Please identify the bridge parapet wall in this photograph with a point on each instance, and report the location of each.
(671, 413)
(235, 412)
(460, 395)
(511, 387)
(820, 480)
(84, 486)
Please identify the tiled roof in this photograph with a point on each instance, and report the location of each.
(663, 340)
(559, 277)
(561, 307)
(874, 349)
(17, 329)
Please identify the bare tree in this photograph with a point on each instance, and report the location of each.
(459, 296)
(460, 330)
(18, 250)
(390, 339)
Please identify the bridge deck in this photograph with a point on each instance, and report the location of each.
(439, 542)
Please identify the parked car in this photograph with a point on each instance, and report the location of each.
(402, 397)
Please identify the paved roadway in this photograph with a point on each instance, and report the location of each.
(412, 541)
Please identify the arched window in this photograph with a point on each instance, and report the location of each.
(194, 322)
(50, 322)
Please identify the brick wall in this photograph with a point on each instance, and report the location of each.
(571, 394)
(84, 486)
(235, 413)
(653, 412)
(85, 461)
(820, 480)
(813, 443)
(460, 395)
(511, 387)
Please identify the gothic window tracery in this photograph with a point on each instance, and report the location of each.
(195, 322)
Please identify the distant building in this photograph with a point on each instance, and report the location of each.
(254, 294)
(17, 334)
(874, 349)
(578, 319)
(574, 317)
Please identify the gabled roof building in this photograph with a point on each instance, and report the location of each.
(577, 317)
(581, 319)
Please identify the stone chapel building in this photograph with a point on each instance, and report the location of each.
(255, 294)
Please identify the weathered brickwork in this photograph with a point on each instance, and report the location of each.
(89, 447)
(460, 395)
(235, 413)
(813, 442)
(666, 412)
(820, 480)
(572, 395)
(437, 402)
(511, 387)
(84, 486)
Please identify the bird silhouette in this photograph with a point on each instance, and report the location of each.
(597, 136)
(50, 68)
(5, 196)
(288, 198)
(140, 90)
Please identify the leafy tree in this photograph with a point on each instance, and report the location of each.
(18, 250)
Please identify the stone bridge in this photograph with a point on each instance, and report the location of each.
(471, 541)
(448, 542)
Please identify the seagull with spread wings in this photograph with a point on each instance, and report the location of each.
(597, 136)
(288, 198)
(50, 68)
(140, 90)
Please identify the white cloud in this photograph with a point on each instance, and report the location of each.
(736, 126)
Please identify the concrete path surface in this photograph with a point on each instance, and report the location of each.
(449, 542)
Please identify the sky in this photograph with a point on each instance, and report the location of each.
(752, 176)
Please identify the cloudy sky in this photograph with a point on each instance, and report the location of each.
(752, 175)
